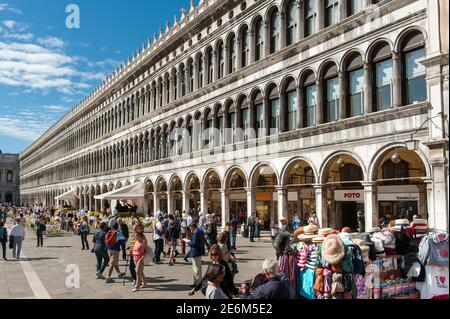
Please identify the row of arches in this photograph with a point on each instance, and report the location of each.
(299, 185)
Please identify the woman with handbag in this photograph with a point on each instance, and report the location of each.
(140, 250)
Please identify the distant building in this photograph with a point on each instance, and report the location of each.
(9, 178)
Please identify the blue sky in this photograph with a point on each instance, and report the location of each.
(45, 68)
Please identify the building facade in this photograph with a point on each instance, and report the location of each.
(9, 178)
(275, 106)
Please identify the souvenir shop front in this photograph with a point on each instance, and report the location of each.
(347, 204)
(404, 261)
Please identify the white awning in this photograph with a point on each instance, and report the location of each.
(69, 195)
(134, 191)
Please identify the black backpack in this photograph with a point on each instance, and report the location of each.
(42, 228)
(281, 240)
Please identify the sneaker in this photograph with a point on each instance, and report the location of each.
(109, 280)
(135, 289)
(134, 283)
(100, 276)
(170, 264)
(121, 275)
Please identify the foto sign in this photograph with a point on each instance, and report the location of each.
(349, 195)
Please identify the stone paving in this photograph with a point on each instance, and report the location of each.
(43, 271)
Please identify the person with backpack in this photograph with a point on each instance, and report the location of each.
(3, 238)
(40, 228)
(84, 232)
(123, 228)
(100, 250)
(173, 233)
(114, 240)
(158, 238)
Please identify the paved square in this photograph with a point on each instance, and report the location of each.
(42, 273)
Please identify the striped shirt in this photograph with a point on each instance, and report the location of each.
(132, 242)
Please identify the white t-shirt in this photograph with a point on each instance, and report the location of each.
(215, 293)
(158, 227)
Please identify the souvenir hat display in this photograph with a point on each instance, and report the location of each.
(364, 249)
(346, 238)
(374, 230)
(309, 232)
(333, 250)
(399, 224)
(327, 231)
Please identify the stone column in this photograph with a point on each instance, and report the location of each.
(343, 9)
(283, 30)
(283, 113)
(396, 80)
(172, 88)
(321, 205)
(266, 48)
(300, 108)
(225, 205)
(203, 202)
(367, 90)
(238, 53)
(179, 85)
(185, 196)
(319, 106)
(251, 201)
(164, 91)
(226, 66)
(251, 36)
(145, 206)
(155, 203)
(342, 96)
(215, 67)
(170, 203)
(282, 203)
(370, 205)
(187, 78)
(301, 21)
(195, 78)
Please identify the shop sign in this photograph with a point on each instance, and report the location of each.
(308, 193)
(349, 195)
(399, 197)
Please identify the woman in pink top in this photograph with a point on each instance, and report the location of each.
(140, 249)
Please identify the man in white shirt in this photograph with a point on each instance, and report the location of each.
(158, 239)
(17, 233)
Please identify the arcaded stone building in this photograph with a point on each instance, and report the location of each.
(9, 178)
(275, 106)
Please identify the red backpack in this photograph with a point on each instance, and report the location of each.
(111, 238)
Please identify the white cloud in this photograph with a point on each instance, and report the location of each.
(7, 7)
(51, 42)
(9, 23)
(18, 36)
(15, 26)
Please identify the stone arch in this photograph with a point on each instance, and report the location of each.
(325, 166)
(230, 171)
(255, 171)
(406, 32)
(288, 165)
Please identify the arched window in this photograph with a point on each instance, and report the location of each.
(382, 72)
(274, 117)
(182, 80)
(221, 60)
(259, 112)
(245, 47)
(245, 117)
(355, 84)
(291, 23)
(331, 12)
(208, 137)
(210, 62)
(414, 73)
(167, 84)
(191, 76)
(220, 127)
(310, 99)
(232, 123)
(232, 63)
(189, 138)
(9, 176)
(395, 171)
(259, 40)
(354, 6)
(174, 84)
(310, 12)
(331, 93)
(275, 26)
(160, 94)
(291, 105)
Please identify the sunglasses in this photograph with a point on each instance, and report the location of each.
(215, 254)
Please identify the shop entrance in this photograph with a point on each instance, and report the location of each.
(236, 183)
(349, 215)
(212, 193)
(265, 181)
(193, 189)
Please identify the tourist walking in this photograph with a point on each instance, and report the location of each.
(100, 250)
(17, 235)
(140, 250)
(197, 250)
(251, 226)
(3, 238)
(123, 228)
(113, 243)
(158, 239)
(173, 233)
(39, 227)
(233, 229)
(295, 221)
(84, 232)
(137, 228)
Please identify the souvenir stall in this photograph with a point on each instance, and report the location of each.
(403, 261)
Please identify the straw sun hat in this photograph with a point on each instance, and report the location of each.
(333, 249)
(309, 232)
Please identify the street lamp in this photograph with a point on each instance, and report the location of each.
(412, 144)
